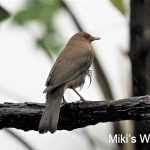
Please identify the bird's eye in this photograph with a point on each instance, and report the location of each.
(87, 36)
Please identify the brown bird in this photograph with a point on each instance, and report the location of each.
(69, 71)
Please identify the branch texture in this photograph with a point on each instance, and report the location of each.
(26, 116)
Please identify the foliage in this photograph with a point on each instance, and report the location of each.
(119, 5)
(42, 11)
(3, 14)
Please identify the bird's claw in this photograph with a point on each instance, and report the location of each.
(83, 100)
(64, 101)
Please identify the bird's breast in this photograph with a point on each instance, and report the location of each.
(78, 81)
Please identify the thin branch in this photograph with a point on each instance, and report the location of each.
(20, 139)
(26, 116)
(63, 3)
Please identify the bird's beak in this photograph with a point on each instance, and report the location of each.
(95, 38)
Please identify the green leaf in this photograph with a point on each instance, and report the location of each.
(49, 43)
(39, 10)
(119, 5)
(3, 14)
(42, 11)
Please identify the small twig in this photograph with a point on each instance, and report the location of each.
(20, 139)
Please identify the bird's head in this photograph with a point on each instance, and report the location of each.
(85, 37)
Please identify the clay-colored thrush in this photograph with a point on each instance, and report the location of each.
(69, 71)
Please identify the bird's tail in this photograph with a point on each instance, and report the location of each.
(50, 116)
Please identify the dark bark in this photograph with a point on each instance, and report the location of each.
(140, 46)
(26, 116)
(138, 52)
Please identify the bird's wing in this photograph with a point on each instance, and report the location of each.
(70, 63)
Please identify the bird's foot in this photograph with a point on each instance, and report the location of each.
(64, 101)
(81, 98)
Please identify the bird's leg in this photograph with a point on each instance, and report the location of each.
(81, 98)
(64, 101)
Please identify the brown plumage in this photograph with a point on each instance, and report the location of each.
(69, 71)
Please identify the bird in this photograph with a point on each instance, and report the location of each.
(69, 71)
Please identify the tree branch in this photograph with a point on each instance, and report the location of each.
(26, 116)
